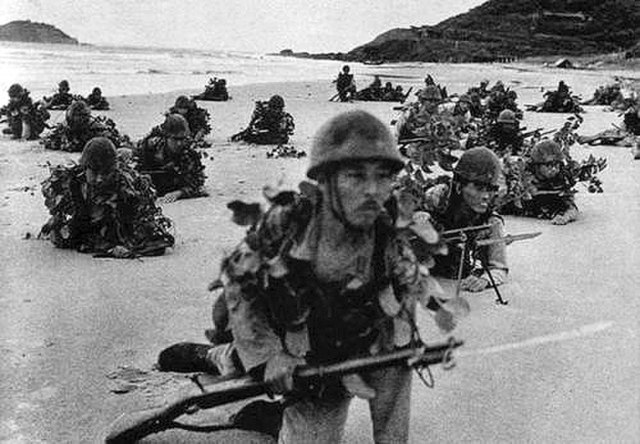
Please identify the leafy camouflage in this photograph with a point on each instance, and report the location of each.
(267, 127)
(168, 173)
(285, 151)
(123, 214)
(34, 114)
(64, 137)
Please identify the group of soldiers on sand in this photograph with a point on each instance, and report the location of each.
(337, 269)
(375, 92)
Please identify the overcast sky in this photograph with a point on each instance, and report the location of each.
(243, 25)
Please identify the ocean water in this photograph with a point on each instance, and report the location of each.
(124, 71)
(118, 70)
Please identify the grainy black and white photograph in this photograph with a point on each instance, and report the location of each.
(285, 221)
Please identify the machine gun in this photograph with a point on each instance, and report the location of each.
(467, 239)
(134, 426)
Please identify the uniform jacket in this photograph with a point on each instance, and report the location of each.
(494, 256)
(276, 302)
(169, 173)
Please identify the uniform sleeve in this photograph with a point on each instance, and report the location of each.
(253, 334)
(496, 254)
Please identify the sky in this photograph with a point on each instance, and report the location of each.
(240, 25)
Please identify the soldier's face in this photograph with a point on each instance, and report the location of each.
(99, 179)
(175, 142)
(363, 188)
(478, 196)
(549, 170)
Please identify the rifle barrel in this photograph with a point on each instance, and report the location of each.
(507, 239)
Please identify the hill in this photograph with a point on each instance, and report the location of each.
(28, 31)
(508, 29)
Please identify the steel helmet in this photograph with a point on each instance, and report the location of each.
(507, 116)
(175, 124)
(276, 101)
(182, 102)
(430, 92)
(15, 90)
(479, 165)
(99, 154)
(547, 151)
(353, 135)
(77, 109)
(63, 84)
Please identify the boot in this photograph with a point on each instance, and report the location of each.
(186, 357)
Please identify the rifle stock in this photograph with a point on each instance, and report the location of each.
(130, 427)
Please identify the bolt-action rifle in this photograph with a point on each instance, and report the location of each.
(134, 426)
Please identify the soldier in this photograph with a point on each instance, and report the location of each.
(62, 99)
(339, 256)
(414, 121)
(96, 100)
(505, 137)
(25, 119)
(270, 124)
(627, 134)
(102, 206)
(345, 84)
(197, 118)
(79, 127)
(468, 202)
(552, 197)
(560, 101)
(168, 156)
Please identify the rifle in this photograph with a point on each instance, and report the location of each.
(406, 96)
(334, 97)
(460, 237)
(413, 140)
(531, 133)
(134, 426)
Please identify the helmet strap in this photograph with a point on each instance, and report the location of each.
(335, 203)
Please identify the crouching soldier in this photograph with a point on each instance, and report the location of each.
(465, 203)
(332, 278)
(79, 127)
(270, 124)
(62, 99)
(197, 118)
(168, 156)
(552, 195)
(505, 137)
(26, 120)
(103, 206)
(96, 100)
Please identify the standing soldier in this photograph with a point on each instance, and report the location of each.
(270, 124)
(468, 202)
(346, 286)
(62, 99)
(345, 85)
(552, 197)
(102, 206)
(169, 157)
(25, 119)
(197, 118)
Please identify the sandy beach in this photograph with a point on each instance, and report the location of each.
(560, 363)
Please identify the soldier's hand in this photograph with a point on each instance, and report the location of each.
(120, 252)
(560, 219)
(279, 372)
(170, 197)
(473, 283)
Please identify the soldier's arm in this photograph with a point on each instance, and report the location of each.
(496, 254)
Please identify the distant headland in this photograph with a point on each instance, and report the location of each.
(505, 30)
(33, 32)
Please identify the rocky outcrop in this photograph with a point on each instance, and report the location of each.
(28, 31)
